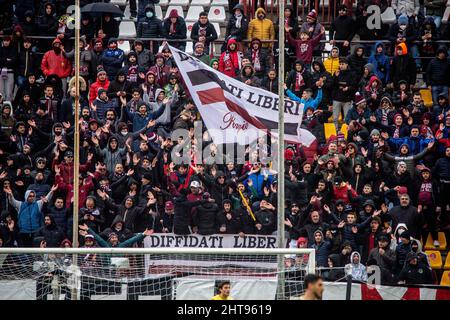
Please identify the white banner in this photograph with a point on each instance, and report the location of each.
(166, 264)
(171, 240)
(234, 111)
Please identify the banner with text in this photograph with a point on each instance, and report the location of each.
(157, 264)
(235, 112)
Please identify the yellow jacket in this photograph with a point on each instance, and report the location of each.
(331, 65)
(261, 29)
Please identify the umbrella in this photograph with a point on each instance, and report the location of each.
(100, 8)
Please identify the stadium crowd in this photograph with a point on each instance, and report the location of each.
(365, 195)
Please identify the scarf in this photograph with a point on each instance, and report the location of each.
(202, 31)
(238, 21)
(172, 28)
(255, 59)
(227, 61)
(299, 81)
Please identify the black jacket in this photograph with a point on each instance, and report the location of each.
(233, 225)
(205, 218)
(52, 234)
(356, 63)
(403, 68)
(345, 78)
(267, 219)
(437, 72)
(343, 28)
(180, 32)
(8, 57)
(182, 214)
(27, 63)
(48, 24)
(210, 32)
(232, 31)
(150, 27)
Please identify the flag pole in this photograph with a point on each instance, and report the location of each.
(76, 147)
(280, 192)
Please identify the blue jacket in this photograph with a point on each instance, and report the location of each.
(381, 63)
(353, 114)
(310, 103)
(258, 182)
(140, 121)
(30, 215)
(415, 144)
(112, 61)
(322, 252)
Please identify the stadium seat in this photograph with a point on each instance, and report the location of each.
(344, 130)
(127, 29)
(189, 29)
(446, 15)
(204, 3)
(189, 47)
(217, 27)
(220, 3)
(388, 16)
(178, 8)
(163, 3)
(445, 279)
(183, 3)
(193, 13)
(124, 45)
(447, 262)
(158, 12)
(435, 258)
(120, 3)
(217, 14)
(426, 97)
(330, 130)
(442, 241)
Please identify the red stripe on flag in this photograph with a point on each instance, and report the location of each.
(211, 96)
(369, 293)
(412, 294)
(442, 294)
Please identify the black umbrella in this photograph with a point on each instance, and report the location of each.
(100, 8)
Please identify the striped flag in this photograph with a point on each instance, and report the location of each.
(235, 112)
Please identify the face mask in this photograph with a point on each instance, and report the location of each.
(402, 27)
(149, 14)
(124, 133)
(57, 50)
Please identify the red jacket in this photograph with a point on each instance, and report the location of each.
(229, 61)
(93, 89)
(58, 64)
(341, 193)
(85, 188)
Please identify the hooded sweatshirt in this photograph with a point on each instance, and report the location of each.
(261, 29)
(56, 63)
(359, 271)
(230, 60)
(30, 217)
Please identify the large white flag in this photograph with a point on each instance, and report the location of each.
(236, 112)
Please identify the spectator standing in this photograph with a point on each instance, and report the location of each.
(203, 31)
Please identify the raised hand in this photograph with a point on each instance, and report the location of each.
(32, 123)
(95, 140)
(54, 188)
(147, 232)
